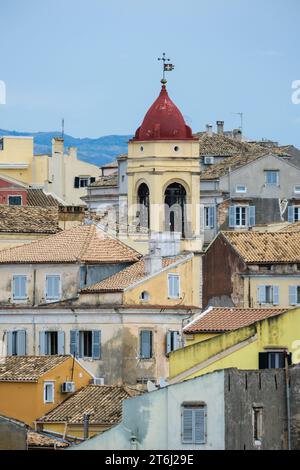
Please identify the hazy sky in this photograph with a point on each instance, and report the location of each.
(94, 62)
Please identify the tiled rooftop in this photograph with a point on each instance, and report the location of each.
(107, 181)
(39, 440)
(37, 197)
(28, 368)
(265, 247)
(28, 219)
(126, 277)
(219, 319)
(102, 402)
(85, 243)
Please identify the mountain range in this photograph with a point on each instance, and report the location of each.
(97, 151)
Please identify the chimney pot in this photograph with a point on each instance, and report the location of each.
(220, 127)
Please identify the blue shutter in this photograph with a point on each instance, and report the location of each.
(187, 425)
(9, 343)
(74, 342)
(19, 287)
(261, 297)
(60, 343)
(42, 345)
(275, 295)
(21, 343)
(168, 342)
(53, 287)
(96, 336)
(146, 344)
(231, 212)
(293, 295)
(200, 425)
(251, 216)
(291, 214)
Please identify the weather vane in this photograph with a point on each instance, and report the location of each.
(166, 67)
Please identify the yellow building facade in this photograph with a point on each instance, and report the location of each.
(238, 348)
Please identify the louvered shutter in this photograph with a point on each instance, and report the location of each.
(60, 342)
(146, 344)
(211, 217)
(21, 343)
(74, 342)
(176, 340)
(261, 296)
(9, 336)
(275, 295)
(199, 425)
(96, 346)
(19, 287)
(168, 341)
(42, 345)
(291, 214)
(187, 425)
(251, 216)
(231, 212)
(53, 287)
(293, 295)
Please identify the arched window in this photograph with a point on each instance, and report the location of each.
(144, 205)
(144, 295)
(175, 200)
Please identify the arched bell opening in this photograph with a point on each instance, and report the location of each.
(175, 202)
(143, 199)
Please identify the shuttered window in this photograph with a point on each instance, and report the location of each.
(48, 392)
(53, 287)
(16, 343)
(85, 344)
(173, 286)
(209, 217)
(241, 216)
(146, 344)
(52, 343)
(193, 424)
(268, 295)
(294, 295)
(172, 341)
(19, 287)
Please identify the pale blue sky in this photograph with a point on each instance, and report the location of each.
(95, 63)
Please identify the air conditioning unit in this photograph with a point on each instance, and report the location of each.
(67, 387)
(209, 160)
(98, 381)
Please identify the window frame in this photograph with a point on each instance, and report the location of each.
(240, 208)
(46, 384)
(257, 424)
(53, 299)
(240, 191)
(267, 172)
(19, 299)
(194, 407)
(15, 195)
(151, 354)
(295, 190)
(174, 275)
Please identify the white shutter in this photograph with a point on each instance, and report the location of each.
(261, 296)
(176, 340)
(199, 425)
(174, 288)
(293, 295)
(60, 342)
(168, 342)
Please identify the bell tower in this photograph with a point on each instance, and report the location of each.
(163, 170)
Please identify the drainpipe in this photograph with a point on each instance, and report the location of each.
(86, 422)
(288, 403)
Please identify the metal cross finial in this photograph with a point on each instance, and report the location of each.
(166, 67)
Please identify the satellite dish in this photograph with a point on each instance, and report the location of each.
(151, 386)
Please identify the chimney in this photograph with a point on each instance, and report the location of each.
(209, 130)
(220, 127)
(86, 425)
(57, 145)
(237, 134)
(153, 261)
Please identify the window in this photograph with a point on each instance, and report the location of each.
(272, 177)
(209, 217)
(144, 296)
(48, 392)
(209, 160)
(176, 148)
(173, 286)
(240, 188)
(53, 287)
(268, 295)
(297, 188)
(85, 344)
(146, 344)
(241, 216)
(19, 287)
(193, 424)
(172, 341)
(293, 213)
(83, 181)
(52, 343)
(274, 359)
(16, 343)
(15, 200)
(294, 295)
(257, 419)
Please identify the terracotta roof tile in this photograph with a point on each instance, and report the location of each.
(27, 219)
(37, 439)
(126, 277)
(102, 402)
(37, 197)
(85, 243)
(265, 247)
(28, 368)
(295, 227)
(222, 145)
(219, 319)
(107, 181)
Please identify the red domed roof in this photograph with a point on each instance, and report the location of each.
(163, 121)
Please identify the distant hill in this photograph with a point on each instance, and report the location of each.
(97, 151)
